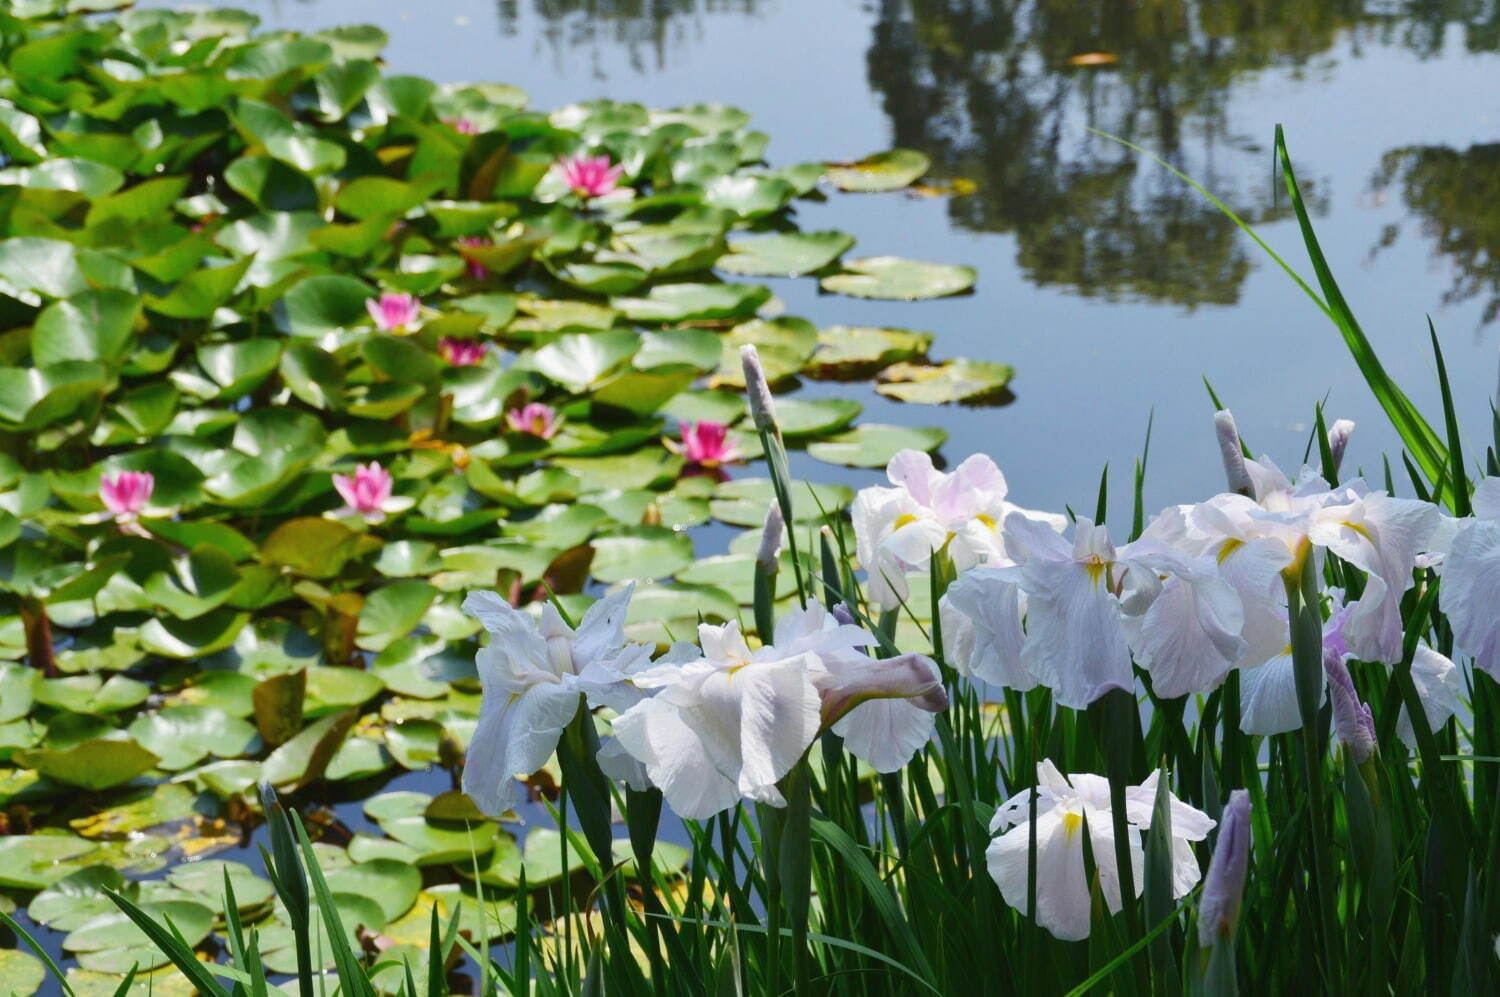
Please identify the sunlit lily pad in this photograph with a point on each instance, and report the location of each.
(897, 279)
(784, 255)
(641, 552)
(815, 416)
(36, 861)
(874, 444)
(743, 501)
(183, 735)
(883, 171)
(95, 764)
(846, 352)
(693, 302)
(970, 382)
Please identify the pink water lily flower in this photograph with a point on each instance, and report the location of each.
(707, 444)
(125, 494)
(535, 418)
(366, 492)
(461, 352)
(392, 311)
(462, 125)
(477, 270)
(590, 176)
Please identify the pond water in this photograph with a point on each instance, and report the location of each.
(1111, 287)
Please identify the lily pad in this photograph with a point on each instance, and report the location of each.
(693, 302)
(95, 764)
(183, 735)
(896, 279)
(784, 255)
(873, 444)
(846, 352)
(641, 552)
(968, 382)
(883, 171)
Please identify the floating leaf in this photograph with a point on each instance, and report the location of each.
(971, 382)
(641, 552)
(874, 444)
(784, 255)
(693, 302)
(845, 352)
(883, 171)
(897, 279)
(95, 764)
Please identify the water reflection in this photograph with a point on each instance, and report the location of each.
(647, 30)
(1454, 195)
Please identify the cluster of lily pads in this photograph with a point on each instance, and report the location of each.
(295, 351)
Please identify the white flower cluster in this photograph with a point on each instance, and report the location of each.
(708, 724)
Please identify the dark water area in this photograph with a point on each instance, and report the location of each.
(1112, 287)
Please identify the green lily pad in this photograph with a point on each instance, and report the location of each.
(784, 255)
(181, 736)
(581, 360)
(17, 685)
(140, 811)
(76, 898)
(874, 444)
(815, 416)
(693, 302)
(896, 279)
(393, 611)
(92, 694)
(303, 759)
(847, 352)
(117, 931)
(95, 764)
(968, 382)
(640, 552)
(22, 972)
(883, 171)
(36, 861)
(744, 501)
(393, 885)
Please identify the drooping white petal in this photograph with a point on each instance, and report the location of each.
(1190, 636)
(981, 617)
(1075, 637)
(1440, 687)
(780, 715)
(1062, 893)
(1471, 592)
(886, 733)
(515, 736)
(676, 759)
(1268, 697)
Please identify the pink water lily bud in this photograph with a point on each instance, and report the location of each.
(462, 125)
(477, 270)
(366, 491)
(461, 352)
(125, 494)
(707, 444)
(534, 418)
(392, 311)
(590, 176)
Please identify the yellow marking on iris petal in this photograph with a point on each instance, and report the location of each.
(904, 519)
(987, 521)
(1359, 528)
(1096, 569)
(1230, 546)
(1072, 822)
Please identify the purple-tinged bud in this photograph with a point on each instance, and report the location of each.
(1338, 439)
(1352, 719)
(912, 677)
(770, 538)
(841, 612)
(1233, 454)
(762, 407)
(1224, 886)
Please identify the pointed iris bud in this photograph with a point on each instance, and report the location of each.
(762, 407)
(1224, 887)
(1338, 439)
(841, 612)
(1352, 719)
(770, 539)
(1232, 453)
